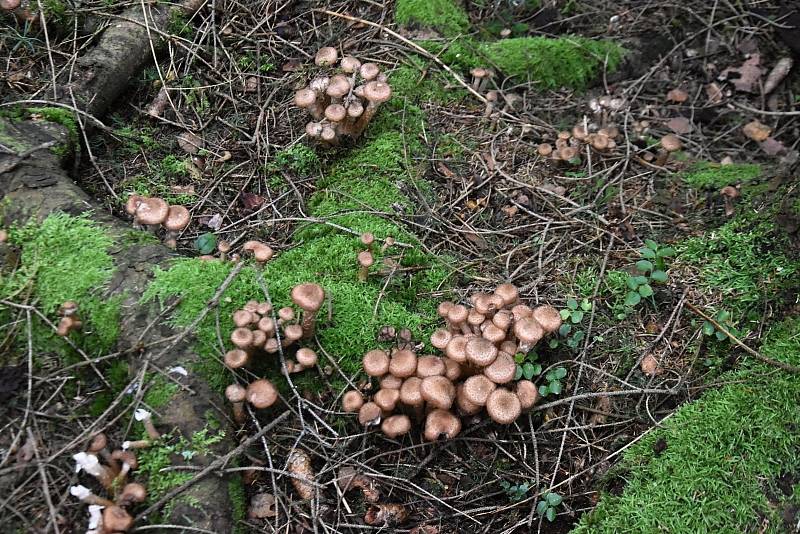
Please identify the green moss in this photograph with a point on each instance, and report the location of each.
(707, 175)
(159, 391)
(444, 16)
(418, 85)
(238, 499)
(301, 159)
(58, 115)
(721, 453)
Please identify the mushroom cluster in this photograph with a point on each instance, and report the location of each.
(109, 515)
(341, 99)
(568, 146)
(154, 212)
(259, 331)
(475, 373)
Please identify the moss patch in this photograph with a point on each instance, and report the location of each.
(706, 175)
(721, 453)
(443, 16)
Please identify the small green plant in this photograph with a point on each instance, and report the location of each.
(547, 506)
(527, 366)
(723, 318)
(515, 492)
(572, 316)
(553, 378)
(206, 243)
(653, 269)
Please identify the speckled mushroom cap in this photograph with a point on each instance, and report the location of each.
(452, 369)
(335, 112)
(259, 338)
(502, 369)
(528, 331)
(503, 320)
(308, 297)
(98, 443)
(377, 92)
(391, 382)
(369, 414)
(403, 363)
(548, 317)
(443, 309)
(520, 311)
(306, 357)
(456, 349)
(152, 211)
(438, 391)
(527, 393)
(410, 393)
(292, 332)
(369, 71)
(314, 129)
(457, 314)
(261, 394)
(326, 56)
(440, 338)
(352, 401)
(133, 203)
(441, 423)
(480, 351)
(242, 338)
(474, 319)
(126, 457)
(386, 399)
(338, 86)
(396, 426)
(261, 252)
(503, 406)
(367, 239)
(235, 393)
(242, 318)
(305, 97)
(493, 334)
(477, 389)
(236, 358)
(266, 325)
(430, 366)
(508, 292)
(376, 363)
(286, 314)
(349, 64)
(365, 258)
(509, 347)
(355, 109)
(671, 143)
(465, 406)
(177, 218)
(116, 519)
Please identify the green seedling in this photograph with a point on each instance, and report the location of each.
(206, 243)
(723, 318)
(553, 378)
(547, 506)
(572, 316)
(527, 366)
(515, 492)
(652, 268)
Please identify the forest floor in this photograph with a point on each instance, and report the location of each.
(679, 278)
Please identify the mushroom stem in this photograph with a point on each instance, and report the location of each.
(361, 123)
(85, 495)
(309, 323)
(147, 420)
(136, 444)
(238, 412)
(661, 158)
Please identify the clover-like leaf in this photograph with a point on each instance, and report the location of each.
(632, 299)
(541, 508)
(641, 280)
(720, 335)
(572, 304)
(647, 253)
(576, 316)
(651, 244)
(723, 316)
(658, 276)
(644, 266)
(666, 252)
(554, 387)
(553, 499)
(528, 371)
(632, 282)
(206, 243)
(518, 372)
(564, 314)
(543, 391)
(565, 329)
(708, 328)
(552, 343)
(561, 372)
(550, 514)
(646, 290)
(586, 305)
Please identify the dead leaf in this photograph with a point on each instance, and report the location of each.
(553, 188)
(215, 222)
(477, 240)
(679, 96)
(424, 529)
(191, 143)
(603, 405)
(26, 453)
(680, 125)
(444, 169)
(226, 155)
(772, 147)
(386, 514)
(749, 74)
(262, 505)
(777, 74)
(510, 211)
(756, 131)
(714, 93)
(251, 201)
(650, 366)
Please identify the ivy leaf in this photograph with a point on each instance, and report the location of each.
(553, 499)
(518, 372)
(561, 373)
(646, 290)
(632, 282)
(527, 371)
(633, 299)
(647, 253)
(708, 328)
(206, 243)
(666, 252)
(554, 387)
(658, 276)
(652, 245)
(577, 316)
(550, 514)
(644, 266)
(572, 304)
(723, 316)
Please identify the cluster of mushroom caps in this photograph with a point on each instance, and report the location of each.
(366, 257)
(260, 331)
(342, 100)
(155, 212)
(110, 515)
(476, 372)
(569, 145)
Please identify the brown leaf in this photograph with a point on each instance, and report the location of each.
(477, 240)
(679, 96)
(386, 514)
(756, 131)
(714, 93)
(262, 505)
(190, 143)
(26, 453)
(680, 125)
(777, 74)
(749, 74)
(772, 147)
(251, 201)
(292, 65)
(650, 366)
(444, 169)
(604, 406)
(349, 479)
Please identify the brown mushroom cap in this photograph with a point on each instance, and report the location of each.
(335, 112)
(509, 347)
(502, 369)
(521, 311)
(286, 314)
(261, 393)
(456, 349)
(671, 143)
(480, 351)
(438, 391)
(457, 314)
(177, 218)
(508, 292)
(503, 406)
(349, 64)
(235, 393)
(369, 414)
(133, 203)
(236, 358)
(441, 423)
(261, 252)
(352, 401)
(365, 258)
(98, 443)
(493, 334)
(376, 363)
(403, 363)
(327, 55)
(452, 370)
(391, 382)
(377, 92)
(443, 309)
(151, 211)
(528, 331)
(126, 457)
(430, 366)
(548, 317)
(545, 149)
(266, 325)
(465, 406)
(314, 129)
(477, 389)
(242, 318)
(396, 425)
(367, 239)
(730, 192)
(242, 338)
(115, 519)
(259, 338)
(369, 71)
(527, 393)
(305, 97)
(308, 297)
(306, 357)
(386, 399)
(440, 338)
(355, 109)
(132, 493)
(338, 87)
(503, 320)
(292, 332)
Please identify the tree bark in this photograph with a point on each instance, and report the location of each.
(33, 184)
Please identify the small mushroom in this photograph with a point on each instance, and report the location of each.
(441, 423)
(503, 406)
(308, 297)
(261, 394)
(729, 193)
(89, 463)
(262, 253)
(326, 56)
(116, 519)
(178, 218)
(352, 401)
(146, 419)
(365, 261)
(236, 395)
(132, 493)
(151, 212)
(376, 363)
(369, 414)
(306, 357)
(669, 144)
(438, 392)
(396, 426)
